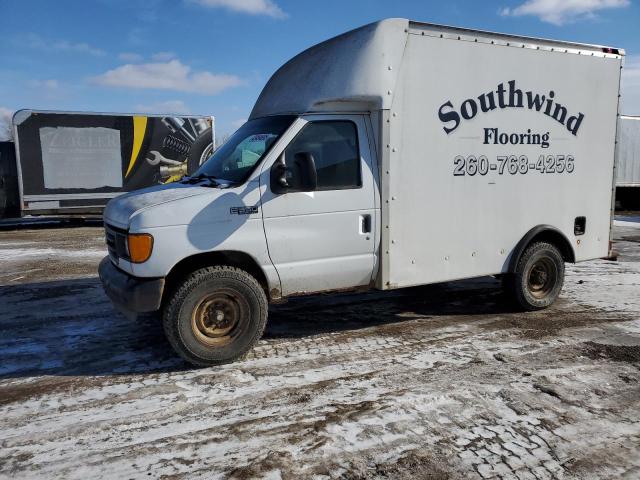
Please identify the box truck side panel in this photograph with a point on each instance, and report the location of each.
(628, 152)
(487, 142)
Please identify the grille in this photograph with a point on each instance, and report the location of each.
(116, 240)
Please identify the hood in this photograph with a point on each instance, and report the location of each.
(120, 209)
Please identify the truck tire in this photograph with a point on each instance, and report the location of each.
(215, 315)
(538, 277)
(200, 151)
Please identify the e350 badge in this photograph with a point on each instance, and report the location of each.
(243, 210)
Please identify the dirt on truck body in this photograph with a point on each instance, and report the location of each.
(442, 381)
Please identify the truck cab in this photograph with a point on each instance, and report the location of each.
(285, 194)
(276, 191)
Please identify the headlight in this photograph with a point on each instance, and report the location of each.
(140, 246)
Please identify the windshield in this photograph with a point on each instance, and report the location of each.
(236, 159)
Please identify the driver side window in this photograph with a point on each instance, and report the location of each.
(334, 146)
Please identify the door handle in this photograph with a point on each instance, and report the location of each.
(365, 223)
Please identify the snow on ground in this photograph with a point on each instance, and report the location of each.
(609, 286)
(54, 253)
(441, 381)
(7, 254)
(633, 222)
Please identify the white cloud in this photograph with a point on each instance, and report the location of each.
(163, 56)
(138, 36)
(169, 106)
(49, 84)
(252, 7)
(630, 101)
(171, 75)
(33, 40)
(6, 131)
(130, 57)
(559, 12)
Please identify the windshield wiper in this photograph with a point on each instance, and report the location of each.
(199, 178)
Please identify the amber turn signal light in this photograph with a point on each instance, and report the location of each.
(140, 247)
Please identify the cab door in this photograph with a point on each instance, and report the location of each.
(323, 239)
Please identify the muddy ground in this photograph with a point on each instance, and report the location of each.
(434, 382)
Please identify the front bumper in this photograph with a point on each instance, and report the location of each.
(130, 294)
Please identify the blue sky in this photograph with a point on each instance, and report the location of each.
(213, 56)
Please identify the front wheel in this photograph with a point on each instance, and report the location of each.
(537, 280)
(215, 315)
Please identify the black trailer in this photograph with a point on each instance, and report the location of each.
(75, 162)
(9, 197)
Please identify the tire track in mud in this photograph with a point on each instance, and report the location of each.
(235, 391)
(276, 387)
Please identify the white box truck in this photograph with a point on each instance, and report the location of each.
(394, 155)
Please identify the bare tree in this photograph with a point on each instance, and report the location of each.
(6, 130)
(222, 139)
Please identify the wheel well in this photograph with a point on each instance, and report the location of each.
(190, 264)
(543, 233)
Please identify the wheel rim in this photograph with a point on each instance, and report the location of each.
(206, 153)
(542, 277)
(219, 318)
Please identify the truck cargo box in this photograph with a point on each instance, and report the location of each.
(481, 136)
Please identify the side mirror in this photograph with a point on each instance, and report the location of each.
(280, 176)
(300, 176)
(306, 168)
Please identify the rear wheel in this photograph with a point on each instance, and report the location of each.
(537, 280)
(215, 316)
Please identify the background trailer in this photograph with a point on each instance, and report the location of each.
(628, 162)
(9, 199)
(75, 162)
